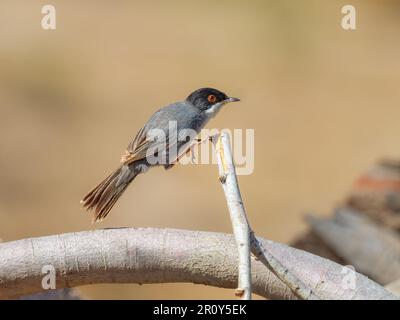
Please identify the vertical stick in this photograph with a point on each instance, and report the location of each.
(245, 238)
(241, 230)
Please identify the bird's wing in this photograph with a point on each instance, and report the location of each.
(138, 148)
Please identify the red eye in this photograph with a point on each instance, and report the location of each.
(211, 98)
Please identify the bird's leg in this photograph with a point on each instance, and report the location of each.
(196, 142)
(190, 149)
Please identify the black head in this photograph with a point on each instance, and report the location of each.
(205, 98)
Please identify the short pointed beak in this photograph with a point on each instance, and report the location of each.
(232, 99)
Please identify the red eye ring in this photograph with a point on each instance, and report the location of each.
(211, 98)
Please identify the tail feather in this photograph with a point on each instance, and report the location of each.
(102, 198)
(92, 198)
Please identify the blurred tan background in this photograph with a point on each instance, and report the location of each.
(324, 104)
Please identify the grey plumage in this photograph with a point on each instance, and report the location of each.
(193, 114)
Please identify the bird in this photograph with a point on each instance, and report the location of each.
(188, 116)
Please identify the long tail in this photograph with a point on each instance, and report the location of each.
(103, 197)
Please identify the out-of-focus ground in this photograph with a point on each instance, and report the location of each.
(324, 104)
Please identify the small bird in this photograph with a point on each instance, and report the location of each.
(193, 114)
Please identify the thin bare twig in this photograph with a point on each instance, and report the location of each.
(241, 230)
(244, 235)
